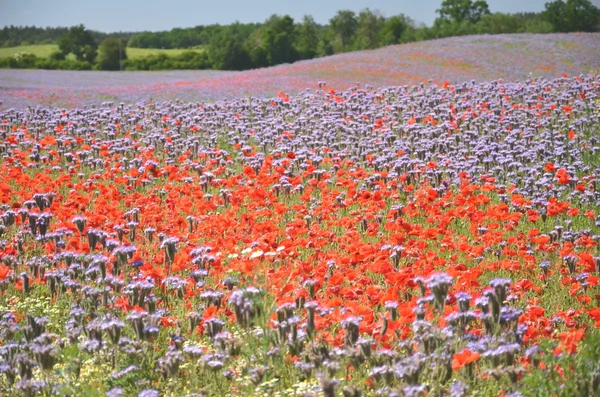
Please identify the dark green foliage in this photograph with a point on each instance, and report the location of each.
(13, 36)
(185, 60)
(80, 42)
(175, 38)
(66, 64)
(148, 40)
(272, 43)
(111, 54)
(344, 25)
(226, 52)
(458, 17)
(499, 23)
(394, 29)
(30, 61)
(23, 60)
(57, 56)
(369, 29)
(463, 10)
(464, 17)
(279, 36)
(307, 38)
(573, 16)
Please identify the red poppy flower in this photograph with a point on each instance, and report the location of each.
(463, 358)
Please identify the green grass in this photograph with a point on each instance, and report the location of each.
(39, 50)
(44, 51)
(142, 52)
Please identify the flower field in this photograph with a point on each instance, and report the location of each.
(437, 239)
(455, 59)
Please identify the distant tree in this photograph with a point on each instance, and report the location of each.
(206, 35)
(344, 25)
(148, 40)
(226, 51)
(80, 42)
(463, 10)
(11, 36)
(572, 16)
(193, 60)
(254, 47)
(111, 54)
(325, 46)
(183, 38)
(307, 38)
(57, 56)
(556, 14)
(394, 28)
(369, 25)
(538, 24)
(498, 23)
(277, 39)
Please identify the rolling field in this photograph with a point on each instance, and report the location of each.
(377, 234)
(44, 51)
(458, 59)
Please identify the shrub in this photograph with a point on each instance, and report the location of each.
(22, 60)
(111, 54)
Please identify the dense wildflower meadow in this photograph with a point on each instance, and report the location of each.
(437, 239)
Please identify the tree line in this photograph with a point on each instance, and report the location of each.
(280, 39)
(14, 36)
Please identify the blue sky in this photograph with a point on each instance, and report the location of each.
(153, 15)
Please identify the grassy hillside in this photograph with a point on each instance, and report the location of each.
(44, 51)
(40, 50)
